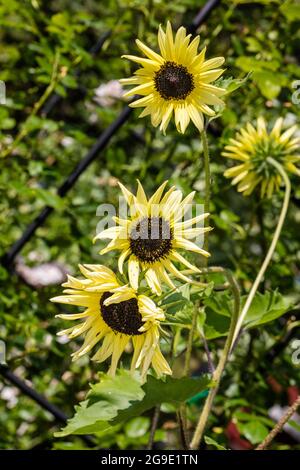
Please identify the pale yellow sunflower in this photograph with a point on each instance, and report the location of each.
(151, 236)
(253, 146)
(178, 81)
(115, 315)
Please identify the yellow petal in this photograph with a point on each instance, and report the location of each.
(118, 349)
(133, 272)
(196, 116)
(188, 245)
(149, 52)
(153, 281)
(147, 63)
(121, 259)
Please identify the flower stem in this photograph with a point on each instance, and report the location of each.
(271, 249)
(222, 362)
(188, 353)
(205, 245)
(277, 429)
(207, 182)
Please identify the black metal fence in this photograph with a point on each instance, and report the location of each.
(95, 152)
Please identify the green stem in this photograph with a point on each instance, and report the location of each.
(207, 182)
(188, 353)
(222, 362)
(205, 246)
(271, 249)
(206, 209)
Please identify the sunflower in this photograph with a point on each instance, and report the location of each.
(253, 146)
(152, 235)
(115, 315)
(178, 80)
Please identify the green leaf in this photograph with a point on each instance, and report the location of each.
(294, 425)
(211, 442)
(103, 403)
(137, 427)
(268, 84)
(244, 417)
(264, 309)
(177, 300)
(254, 431)
(250, 64)
(51, 199)
(180, 305)
(218, 312)
(232, 84)
(183, 317)
(123, 397)
(291, 10)
(169, 391)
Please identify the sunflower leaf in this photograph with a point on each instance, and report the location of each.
(117, 399)
(103, 403)
(254, 431)
(264, 309)
(211, 442)
(232, 84)
(170, 390)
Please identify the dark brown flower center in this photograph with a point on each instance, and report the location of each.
(173, 81)
(151, 239)
(123, 317)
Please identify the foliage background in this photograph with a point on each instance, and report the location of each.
(262, 37)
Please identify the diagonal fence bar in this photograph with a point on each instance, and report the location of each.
(56, 98)
(39, 399)
(203, 14)
(69, 182)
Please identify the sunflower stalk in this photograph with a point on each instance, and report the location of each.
(271, 250)
(182, 412)
(190, 340)
(217, 375)
(207, 182)
(206, 210)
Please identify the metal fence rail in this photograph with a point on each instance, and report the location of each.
(100, 144)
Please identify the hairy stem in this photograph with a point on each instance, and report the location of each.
(223, 359)
(207, 182)
(188, 353)
(270, 251)
(205, 246)
(186, 372)
(278, 428)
